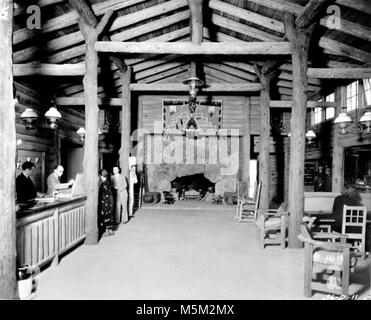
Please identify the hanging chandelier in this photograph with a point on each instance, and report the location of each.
(194, 83)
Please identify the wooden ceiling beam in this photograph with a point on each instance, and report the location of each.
(360, 5)
(278, 26)
(344, 49)
(80, 101)
(70, 18)
(166, 74)
(251, 48)
(311, 13)
(80, 50)
(179, 87)
(156, 70)
(132, 18)
(74, 38)
(310, 104)
(45, 69)
(87, 14)
(230, 71)
(288, 84)
(247, 15)
(339, 73)
(242, 28)
(347, 27)
(20, 8)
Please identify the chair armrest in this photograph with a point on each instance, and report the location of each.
(332, 235)
(324, 244)
(274, 214)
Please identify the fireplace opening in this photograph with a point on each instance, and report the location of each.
(192, 186)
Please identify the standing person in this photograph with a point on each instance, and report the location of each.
(25, 188)
(119, 185)
(133, 180)
(53, 180)
(105, 204)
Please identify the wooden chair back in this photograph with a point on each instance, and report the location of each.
(354, 225)
(305, 235)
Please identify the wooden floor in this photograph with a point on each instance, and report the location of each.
(182, 254)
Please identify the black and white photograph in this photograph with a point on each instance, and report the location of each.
(185, 156)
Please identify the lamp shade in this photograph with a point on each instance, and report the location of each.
(28, 114)
(310, 134)
(366, 117)
(28, 117)
(193, 82)
(366, 120)
(81, 132)
(342, 118)
(53, 114)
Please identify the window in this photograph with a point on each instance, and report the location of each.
(330, 112)
(367, 87)
(352, 96)
(317, 115)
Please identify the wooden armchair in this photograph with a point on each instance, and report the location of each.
(242, 193)
(322, 257)
(273, 222)
(354, 226)
(247, 209)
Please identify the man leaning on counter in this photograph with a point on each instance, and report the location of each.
(54, 183)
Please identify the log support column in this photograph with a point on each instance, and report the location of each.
(91, 155)
(196, 24)
(337, 150)
(8, 281)
(264, 173)
(125, 127)
(299, 38)
(246, 143)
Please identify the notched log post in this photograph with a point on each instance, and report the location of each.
(300, 39)
(8, 281)
(90, 160)
(125, 127)
(264, 171)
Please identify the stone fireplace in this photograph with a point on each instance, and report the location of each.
(216, 158)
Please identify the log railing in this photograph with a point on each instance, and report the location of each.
(44, 236)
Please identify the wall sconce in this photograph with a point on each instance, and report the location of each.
(310, 135)
(81, 133)
(363, 125)
(29, 117)
(53, 114)
(366, 120)
(193, 83)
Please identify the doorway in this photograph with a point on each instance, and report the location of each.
(72, 156)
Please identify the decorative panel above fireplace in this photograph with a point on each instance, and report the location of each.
(178, 118)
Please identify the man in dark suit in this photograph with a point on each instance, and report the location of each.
(25, 188)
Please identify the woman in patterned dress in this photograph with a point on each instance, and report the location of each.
(105, 205)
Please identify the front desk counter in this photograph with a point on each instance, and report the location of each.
(45, 230)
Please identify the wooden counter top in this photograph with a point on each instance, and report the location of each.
(37, 207)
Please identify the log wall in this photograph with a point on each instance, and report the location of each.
(150, 110)
(41, 142)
